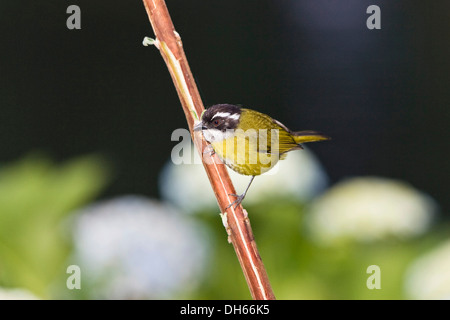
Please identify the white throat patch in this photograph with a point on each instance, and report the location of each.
(215, 135)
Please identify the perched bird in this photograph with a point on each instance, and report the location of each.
(249, 142)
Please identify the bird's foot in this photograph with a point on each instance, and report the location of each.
(236, 202)
(209, 149)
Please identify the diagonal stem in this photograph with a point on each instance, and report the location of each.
(235, 220)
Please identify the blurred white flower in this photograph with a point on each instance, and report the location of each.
(133, 247)
(16, 294)
(300, 176)
(429, 276)
(368, 209)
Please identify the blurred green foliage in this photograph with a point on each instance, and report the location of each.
(36, 196)
(298, 268)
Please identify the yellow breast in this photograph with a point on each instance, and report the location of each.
(242, 154)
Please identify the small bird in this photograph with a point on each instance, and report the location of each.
(249, 142)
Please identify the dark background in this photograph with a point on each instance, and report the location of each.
(382, 95)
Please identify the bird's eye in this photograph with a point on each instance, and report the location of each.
(216, 122)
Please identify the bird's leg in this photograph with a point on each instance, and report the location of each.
(241, 197)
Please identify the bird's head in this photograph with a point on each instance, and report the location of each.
(219, 121)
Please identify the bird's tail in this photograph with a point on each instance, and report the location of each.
(309, 136)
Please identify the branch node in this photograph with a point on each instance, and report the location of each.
(224, 219)
(225, 224)
(178, 38)
(150, 42)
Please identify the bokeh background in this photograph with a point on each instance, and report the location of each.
(85, 135)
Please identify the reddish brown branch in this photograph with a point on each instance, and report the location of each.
(236, 221)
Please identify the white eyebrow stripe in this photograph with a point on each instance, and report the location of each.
(235, 116)
(221, 114)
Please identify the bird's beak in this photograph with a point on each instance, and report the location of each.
(199, 126)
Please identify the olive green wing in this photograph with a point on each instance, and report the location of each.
(276, 139)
